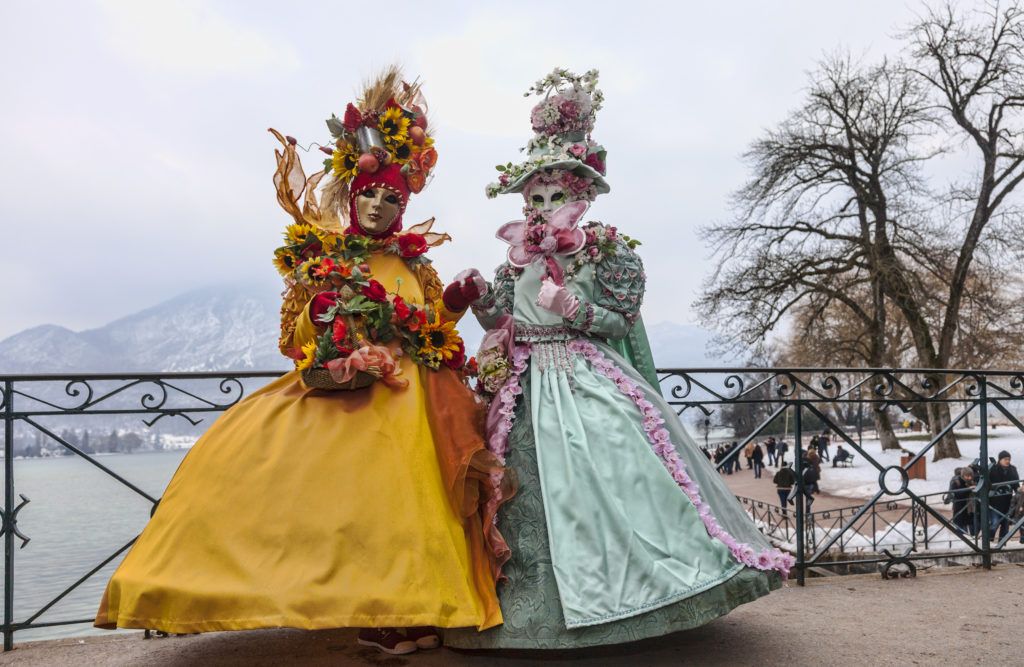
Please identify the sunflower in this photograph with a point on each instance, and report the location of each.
(345, 161)
(311, 271)
(394, 126)
(308, 354)
(438, 337)
(285, 261)
(402, 152)
(332, 242)
(297, 232)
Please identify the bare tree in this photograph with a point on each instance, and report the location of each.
(839, 214)
(817, 227)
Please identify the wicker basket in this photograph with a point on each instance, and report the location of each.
(320, 378)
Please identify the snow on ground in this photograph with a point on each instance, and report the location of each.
(861, 481)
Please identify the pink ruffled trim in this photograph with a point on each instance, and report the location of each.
(661, 443)
(497, 439)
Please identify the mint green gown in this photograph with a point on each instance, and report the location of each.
(609, 544)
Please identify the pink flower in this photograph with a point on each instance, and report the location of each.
(577, 150)
(568, 109)
(504, 179)
(595, 163)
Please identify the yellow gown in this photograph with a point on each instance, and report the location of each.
(311, 509)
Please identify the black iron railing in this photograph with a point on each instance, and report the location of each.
(893, 517)
(894, 525)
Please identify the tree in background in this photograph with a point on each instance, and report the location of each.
(841, 216)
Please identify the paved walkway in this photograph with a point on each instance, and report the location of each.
(952, 616)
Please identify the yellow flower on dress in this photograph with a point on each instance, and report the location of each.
(297, 232)
(345, 161)
(332, 242)
(310, 274)
(285, 261)
(439, 337)
(394, 126)
(309, 354)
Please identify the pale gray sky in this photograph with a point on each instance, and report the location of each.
(138, 163)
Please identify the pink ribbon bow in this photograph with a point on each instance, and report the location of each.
(559, 236)
(366, 357)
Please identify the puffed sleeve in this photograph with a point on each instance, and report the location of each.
(618, 294)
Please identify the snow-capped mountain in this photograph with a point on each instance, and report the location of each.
(230, 328)
(213, 329)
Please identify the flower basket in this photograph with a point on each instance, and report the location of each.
(320, 378)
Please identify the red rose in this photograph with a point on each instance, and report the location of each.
(338, 332)
(412, 245)
(402, 310)
(458, 358)
(375, 291)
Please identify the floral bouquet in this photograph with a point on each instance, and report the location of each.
(366, 327)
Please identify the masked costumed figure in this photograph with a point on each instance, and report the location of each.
(355, 490)
(621, 528)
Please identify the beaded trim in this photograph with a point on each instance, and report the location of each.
(555, 354)
(537, 334)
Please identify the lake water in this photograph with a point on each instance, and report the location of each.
(78, 516)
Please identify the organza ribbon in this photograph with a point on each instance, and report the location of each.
(364, 359)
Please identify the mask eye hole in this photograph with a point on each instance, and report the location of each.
(558, 196)
(538, 199)
(391, 199)
(369, 194)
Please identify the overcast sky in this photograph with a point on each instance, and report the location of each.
(138, 165)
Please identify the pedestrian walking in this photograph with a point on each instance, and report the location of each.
(758, 458)
(784, 480)
(769, 447)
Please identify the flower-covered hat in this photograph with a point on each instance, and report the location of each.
(562, 123)
(382, 141)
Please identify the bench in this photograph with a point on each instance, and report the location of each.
(846, 463)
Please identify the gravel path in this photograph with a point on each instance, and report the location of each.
(952, 616)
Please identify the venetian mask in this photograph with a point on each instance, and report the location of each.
(377, 209)
(547, 198)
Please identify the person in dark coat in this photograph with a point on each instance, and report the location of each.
(784, 480)
(841, 455)
(811, 477)
(781, 450)
(1004, 479)
(961, 494)
(758, 458)
(769, 447)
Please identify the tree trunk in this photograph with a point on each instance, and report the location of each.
(938, 419)
(884, 427)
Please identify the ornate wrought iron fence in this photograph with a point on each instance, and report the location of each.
(893, 525)
(893, 517)
(40, 404)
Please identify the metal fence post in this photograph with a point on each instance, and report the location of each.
(8, 514)
(800, 491)
(986, 483)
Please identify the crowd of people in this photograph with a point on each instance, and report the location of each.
(773, 452)
(1006, 497)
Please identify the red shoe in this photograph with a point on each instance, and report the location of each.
(388, 640)
(425, 637)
